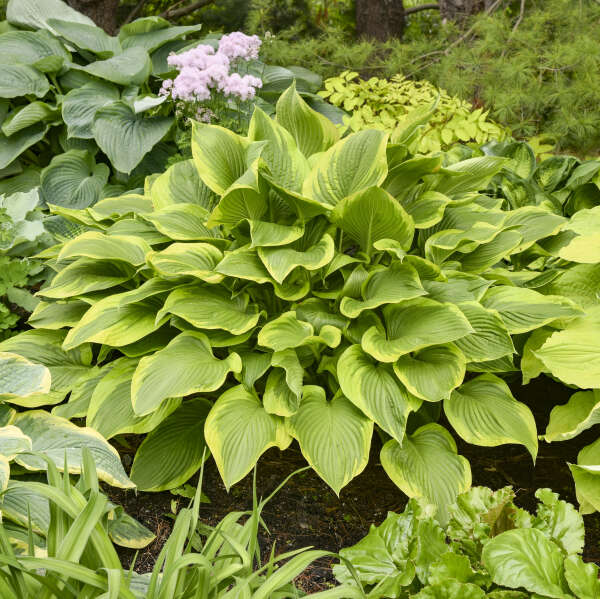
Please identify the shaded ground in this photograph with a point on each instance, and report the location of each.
(306, 512)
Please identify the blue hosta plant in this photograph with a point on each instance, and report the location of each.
(489, 549)
(291, 285)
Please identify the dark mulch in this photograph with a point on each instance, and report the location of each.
(306, 512)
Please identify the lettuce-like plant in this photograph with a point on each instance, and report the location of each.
(293, 285)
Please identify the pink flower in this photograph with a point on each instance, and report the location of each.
(243, 87)
(238, 45)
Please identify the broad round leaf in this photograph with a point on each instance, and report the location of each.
(86, 37)
(34, 14)
(30, 48)
(21, 379)
(98, 246)
(21, 80)
(28, 115)
(197, 260)
(130, 67)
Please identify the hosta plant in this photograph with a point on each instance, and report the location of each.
(384, 104)
(290, 285)
(489, 549)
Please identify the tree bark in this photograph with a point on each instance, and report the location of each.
(458, 10)
(380, 19)
(102, 12)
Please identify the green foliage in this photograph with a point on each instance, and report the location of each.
(490, 548)
(382, 104)
(309, 287)
(540, 79)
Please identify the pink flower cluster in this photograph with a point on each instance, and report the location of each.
(202, 70)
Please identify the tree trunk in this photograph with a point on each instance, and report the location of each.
(458, 10)
(380, 19)
(102, 12)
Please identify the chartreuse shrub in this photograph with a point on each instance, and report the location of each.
(291, 285)
(384, 104)
(79, 559)
(489, 548)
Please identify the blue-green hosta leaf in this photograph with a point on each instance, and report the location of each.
(80, 105)
(413, 325)
(197, 260)
(81, 394)
(239, 430)
(44, 346)
(73, 180)
(351, 165)
(28, 115)
(55, 437)
(525, 558)
(432, 373)
(22, 380)
(110, 410)
(426, 209)
(582, 578)
(12, 442)
(33, 48)
(392, 285)
(21, 80)
(130, 67)
(98, 246)
(174, 450)
(12, 147)
(284, 384)
(180, 184)
(126, 137)
(285, 161)
(281, 261)
(212, 308)
(427, 465)
(311, 131)
(581, 412)
(484, 412)
(86, 37)
(523, 310)
(34, 14)
(334, 436)
(185, 366)
(151, 39)
(57, 315)
(490, 339)
(371, 215)
(86, 275)
(373, 388)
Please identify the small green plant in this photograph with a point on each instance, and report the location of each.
(384, 104)
(489, 549)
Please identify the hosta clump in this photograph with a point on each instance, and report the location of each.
(294, 285)
(489, 548)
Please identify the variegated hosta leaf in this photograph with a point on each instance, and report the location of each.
(56, 437)
(581, 412)
(414, 325)
(334, 436)
(351, 165)
(98, 246)
(373, 388)
(13, 442)
(484, 412)
(427, 465)
(432, 373)
(173, 451)
(197, 260)
(390, 285)
(311, 131)
(185, 366)
(523, 310)
(211, 308)
(371, 215)
(22, 381)
(4, 473)
(239, 430)
(184, 222)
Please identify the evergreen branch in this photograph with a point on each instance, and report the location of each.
(521, 15)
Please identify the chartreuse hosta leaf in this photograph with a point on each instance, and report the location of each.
(484, 412)
(239, 430)
(99, 246)
(55, 437)
(283, 390)
(334, 436)
(185, 366)
(523, 310)
(427, 465)
(22, 380)
(584, 247)
(371, 215)
(432, 373)
(211, 308)
(427, 208)
(390, 285)
(174, 450)
(197, 260)
(287, 331)
(581, 412)
(413, 325)
(373, 388)
(351, 165)
(184, 222)
(586, 474)
(311, 131)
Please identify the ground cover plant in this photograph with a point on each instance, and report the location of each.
(292, 285)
